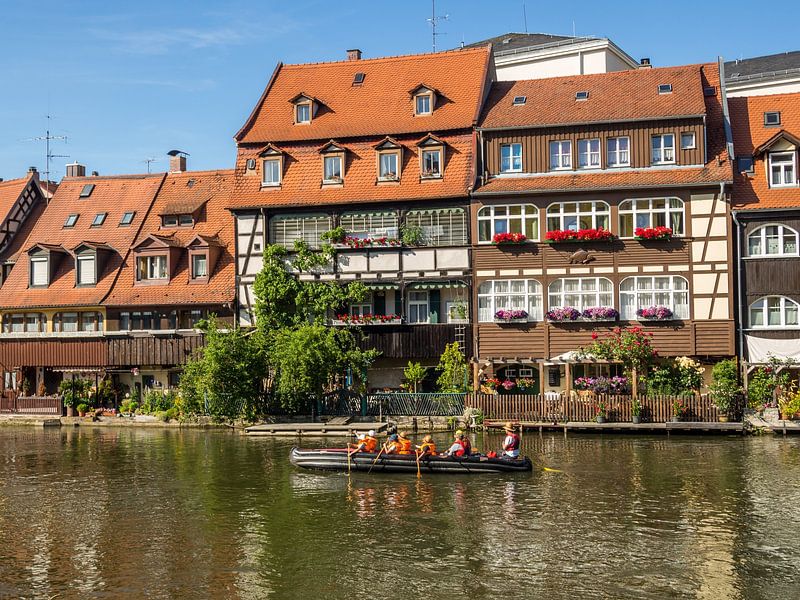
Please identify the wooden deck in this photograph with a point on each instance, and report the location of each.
(314, 429)
(592, 427)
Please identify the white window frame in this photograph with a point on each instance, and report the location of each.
(589, 158)
(302, 107)
(589, 296)
(418, 302)
(616, 152)
(761, 233)
(560, 155)
(645, 285)
(691, 145)
(440, 227)
(529, 216)
(37, 263)
(600, 210)
(772, 162)
(420, 99)
(82, 263)
(371, 224)
(360, 309)
(783, 303)
(385, 174)
(511, 158)
(285, 229)
(327, 175)
(426, 156)
(195, 257)
(662, 149)
(497, 294)
(153, 267)
(271, 182)
(630, 208)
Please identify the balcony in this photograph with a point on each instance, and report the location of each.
(415, 341)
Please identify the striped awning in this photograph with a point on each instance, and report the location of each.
(436, 211)
(382, 286)
(369, 214)
(437, 285)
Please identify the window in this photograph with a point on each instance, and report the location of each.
(573, 216)
(35, 322)
(199, 266)
(644, 292)
(137, 321)
(782, 169)
(302, 113)
(772, 240)
(617, 151)
(14, 323)
(431, 163)
(514, 218)
(195, 316)
(387, 166)
(589, 154)
(582, 95)
(359, 309)
(665, 88)
(332, 169)
(127, 218)
(581, 292)
(24, 323)
(510, 158)
(745, 164)
(91, 321)
(10, 380)
(774, 311)
(373, 225)
(687, 140)
(650, 212)
(185, 220)
(515, 294)
(440, 226)
(39, 271)
(124, 321)
(284, 230)
(85, 265)
(87, 190)
(423, 105)
(99, 219)
(272, 171)
(772, 118)
(418, 307)
(663, 149)
(169, 221)
(65, 322)
(519, 101)
(151, 267)
(71, 220)
(560, 155)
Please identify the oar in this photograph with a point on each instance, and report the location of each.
(376, 458)
(549, 470)
(418, 457)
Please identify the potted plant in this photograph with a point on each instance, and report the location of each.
(491, 384)
(582, 235)
(411, 235)
(654, 313)
(678, 409)
(504, 239)
(526, 385)
(601, 412)
(415, 373)
(636, 411)
(82, 408)
(725, 388)
(652, 233)
(508, 316)
(563, 314)
(508, 385)
(600, 313)
(335, 235)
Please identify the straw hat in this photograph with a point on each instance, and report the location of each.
(459, 433)
(427, 439)
(508, 427)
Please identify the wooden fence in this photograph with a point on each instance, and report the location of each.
(30, 405)
(560, 408)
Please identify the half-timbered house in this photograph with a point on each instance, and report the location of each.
(602, 202)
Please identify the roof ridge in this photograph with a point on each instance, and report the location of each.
(108, 177)
(203, 172)
(387, 58)
(625, 73)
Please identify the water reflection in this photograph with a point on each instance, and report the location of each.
(121, 513)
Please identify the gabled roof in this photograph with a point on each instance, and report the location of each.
(762, 66)
(114, 195)
(516, 41)
(613, 97)
(10, 191)
(423, 86)
(46, 248)
(782, 135)
(205, 240)
(379, 106)
(153, 240)
(93, 246)
(332, 146)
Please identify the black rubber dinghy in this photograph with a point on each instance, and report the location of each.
(335, 459)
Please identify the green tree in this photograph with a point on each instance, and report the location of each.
(415, 373)
(725, 384)
(454, 370)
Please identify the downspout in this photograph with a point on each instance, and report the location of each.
(739, 295)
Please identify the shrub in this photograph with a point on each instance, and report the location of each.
(415, 373)
(411, 235)
(725, 384)
(82, 407)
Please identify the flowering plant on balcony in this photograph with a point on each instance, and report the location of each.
(563, 313)
(601, 313)
(492, 383)
(510, 315)
(509, 238)
(655, 313)
(508, 385)
(525, 384)
(678, 407)
(653, 233)
(603, 385)
(367, 319)
(355, 242)
(581, 235)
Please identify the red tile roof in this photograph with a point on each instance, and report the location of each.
(752, 192)
(381, 105)
(613, 97)
(10, 192)
(114, 195)
(213, 190)
(717, 169)
(302, 175)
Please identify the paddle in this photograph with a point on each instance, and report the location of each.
(419, 455)
(376, 458)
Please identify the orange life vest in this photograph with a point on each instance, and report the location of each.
(392, 448)
(427, 448)
(405, 445)
(371, 444)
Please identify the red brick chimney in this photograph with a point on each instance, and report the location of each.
(177, 161)
(354, 54)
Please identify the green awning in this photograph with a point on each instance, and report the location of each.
(382, 286)
(369, 214)
(435, 211)
(437, 285)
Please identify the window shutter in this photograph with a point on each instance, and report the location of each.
(39, 271)
(86, 268)
(435, 305)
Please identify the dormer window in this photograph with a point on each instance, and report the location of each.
(272, 163)
(302, 113)
(423, 104)
(389, 160)
(86, 269)
(783, 169)
(332, 163)
(204, 251)
(199, 266)
(40, 267)
(151, 268)
(431, 157)
(181, 220)
(424, 100)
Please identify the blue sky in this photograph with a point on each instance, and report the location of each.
(128, 81)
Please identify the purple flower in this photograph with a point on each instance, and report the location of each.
(655, 313)
(600, 312)
(508, 315)
(563, 313)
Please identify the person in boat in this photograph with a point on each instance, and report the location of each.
(427, 447)
(360, 445)
(467, 444)
(457, 449)
(392, 445)
(511, 442)
(405, 443)
(371, 442)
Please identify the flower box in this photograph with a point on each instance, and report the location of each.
(600, 313)
(581, 235)
(652, 234)
(655, 313)
(364, 243)
(350, 320)
(509, 239)
(564, 314)
(510, 316)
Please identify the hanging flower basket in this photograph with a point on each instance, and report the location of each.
(655, 313)
(600, 313)
(355, 320)
(652, 233)
(510, 316)
(581, 235)
(509, 239)
(563, 314)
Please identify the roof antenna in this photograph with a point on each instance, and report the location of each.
(48, 155)
(434, 21)
(524, 16)
(573, 27)
(149, 160)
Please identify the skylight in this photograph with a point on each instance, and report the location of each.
(127, 218)
(87, 190)
(581, 95)
(99, 219)
(665, 88)
(358, 78)
(71, 220)
(519, 100)
(772, 118)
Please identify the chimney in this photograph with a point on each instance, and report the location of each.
(354, 54)
(33, 172)
(76, 170)
(177, 161)
(645, 64)
(95, 173)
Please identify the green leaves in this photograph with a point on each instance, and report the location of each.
(454, 377)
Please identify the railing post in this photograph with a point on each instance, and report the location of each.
(363, 405)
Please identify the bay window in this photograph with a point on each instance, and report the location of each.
(513, 218)
(638, 292)
(514, 294)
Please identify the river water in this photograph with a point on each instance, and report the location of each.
(122, 513)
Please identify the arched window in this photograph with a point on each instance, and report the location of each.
(514, 294)
(774, 311)
(572, 216)
(514, 218)
(772, 240)
(671, 291)
(581, 293)
(651, 212)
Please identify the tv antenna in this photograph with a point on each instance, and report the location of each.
(434, 21)
(524, 16)
(149, 161)
(48, 155)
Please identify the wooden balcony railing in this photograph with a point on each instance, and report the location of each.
(12, 403)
